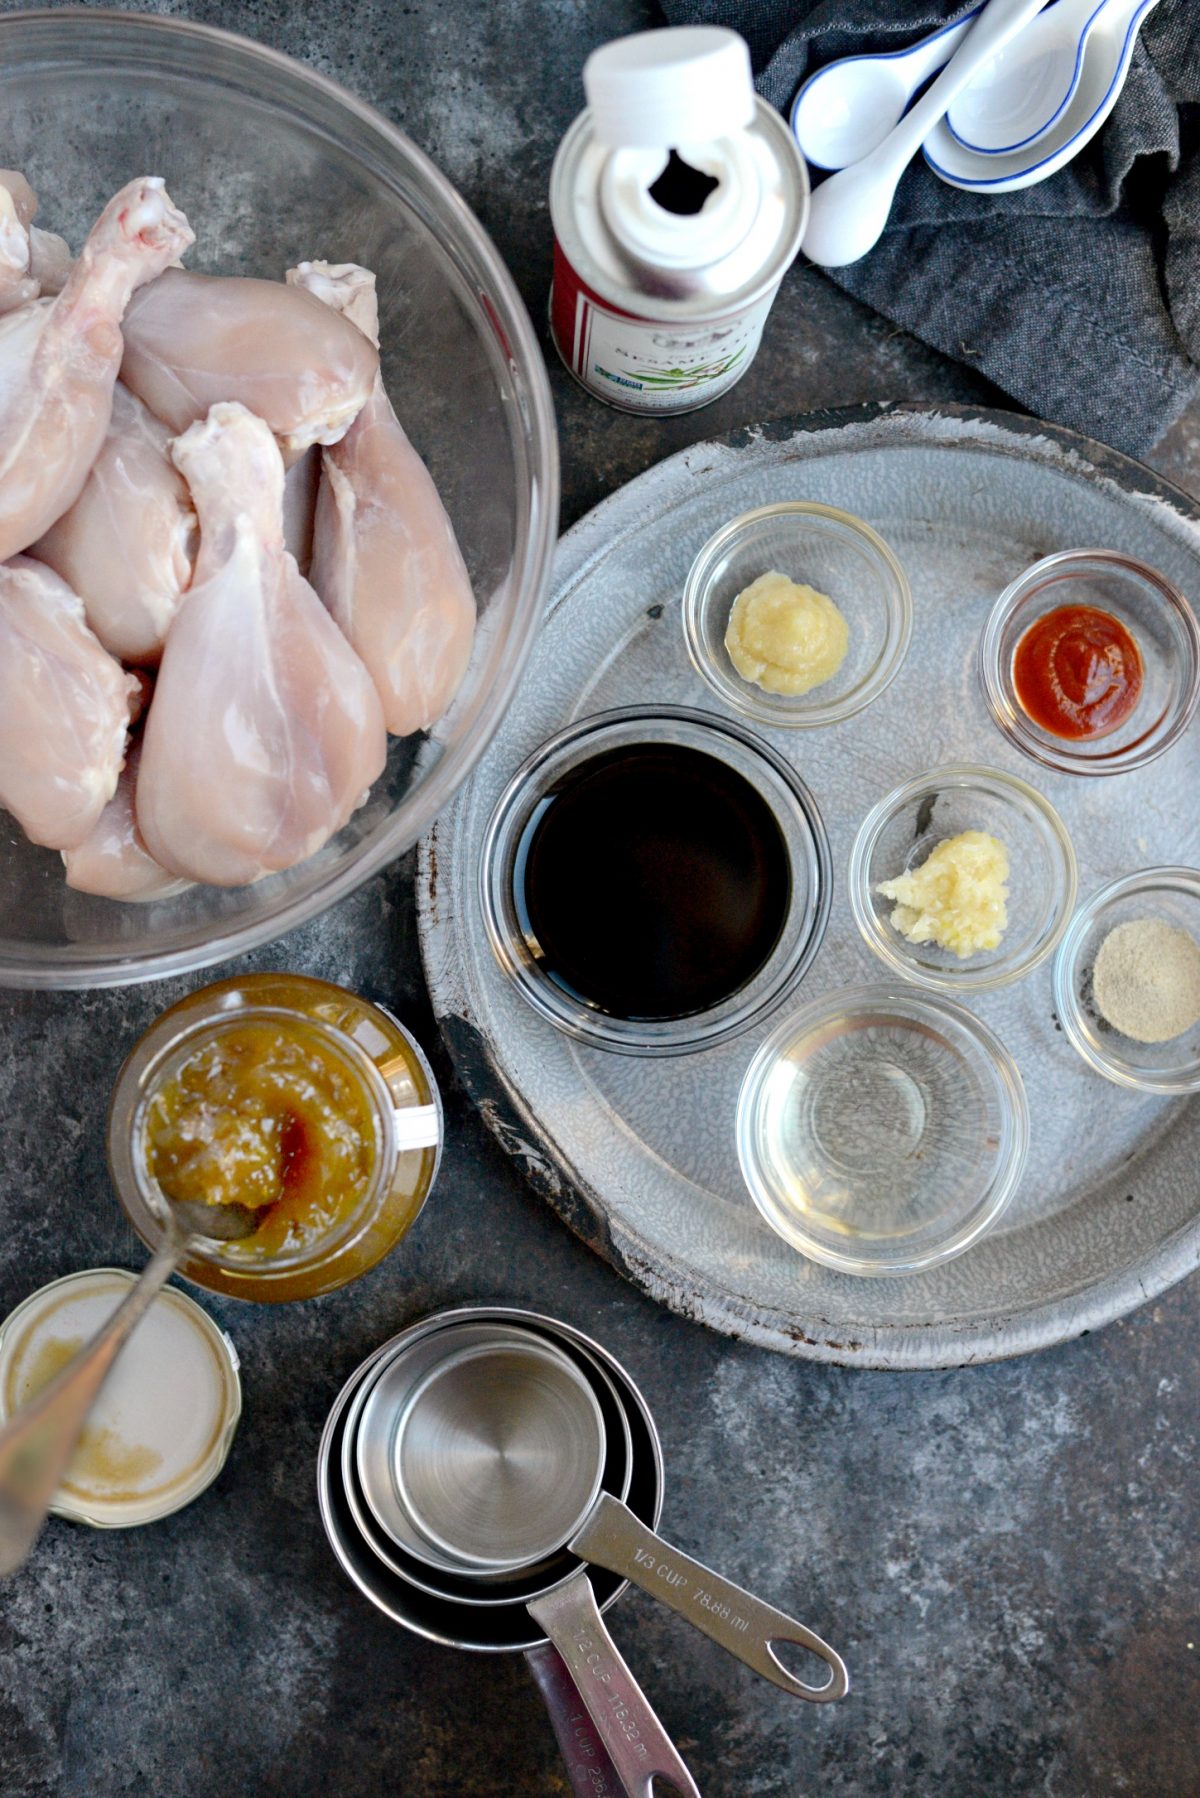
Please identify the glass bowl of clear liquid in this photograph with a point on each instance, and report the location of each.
(882, 1130)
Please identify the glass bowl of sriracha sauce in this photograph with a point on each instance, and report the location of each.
(1090, 662)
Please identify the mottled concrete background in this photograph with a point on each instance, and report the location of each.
(1007, 1555)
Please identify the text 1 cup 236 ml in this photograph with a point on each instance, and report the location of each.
(678, 201)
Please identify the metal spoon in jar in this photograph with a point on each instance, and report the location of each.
(37, 1444)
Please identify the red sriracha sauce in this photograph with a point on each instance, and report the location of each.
(1077, 672)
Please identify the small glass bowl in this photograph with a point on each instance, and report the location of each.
(882, 1131)
(1172, 894)
(832, 551)
(899, 833)
(794, 809)
(1156, 615)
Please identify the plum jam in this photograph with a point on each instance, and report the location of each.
(281, 1093)
(265, 1113)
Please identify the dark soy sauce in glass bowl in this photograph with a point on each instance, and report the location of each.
(653, 881)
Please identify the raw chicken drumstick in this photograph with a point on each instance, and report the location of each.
(17, 206)
(59, 359)
(23, 200)
(64, 709)
(128, 544)
(32, 262)
(49, 260)
(114, 861)
(192, 340)
(385, 559)
(264, 732)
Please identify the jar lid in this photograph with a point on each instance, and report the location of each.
(162, 1424)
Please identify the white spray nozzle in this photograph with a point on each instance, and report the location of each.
(684, 84)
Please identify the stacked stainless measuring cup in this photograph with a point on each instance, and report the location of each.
(491, 1479)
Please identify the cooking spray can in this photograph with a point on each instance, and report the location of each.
(678, 200)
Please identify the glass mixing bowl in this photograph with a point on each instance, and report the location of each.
(274, 163)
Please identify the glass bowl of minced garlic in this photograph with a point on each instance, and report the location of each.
(963, 879)
(1127, 981)
(797, 614)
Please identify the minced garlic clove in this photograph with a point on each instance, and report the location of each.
(957, 898)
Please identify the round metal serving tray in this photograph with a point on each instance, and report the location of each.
(639, 1156)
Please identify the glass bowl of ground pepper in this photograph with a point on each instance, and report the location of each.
(1127, 981)
(1090, 662)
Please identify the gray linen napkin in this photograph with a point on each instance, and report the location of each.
(1079, 296)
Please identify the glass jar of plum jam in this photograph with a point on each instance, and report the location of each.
(295, 1098)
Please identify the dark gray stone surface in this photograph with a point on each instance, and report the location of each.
(1008, 1555)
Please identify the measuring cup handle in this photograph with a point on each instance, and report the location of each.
(589, 1767)
(613, 1537)
(639, 1747)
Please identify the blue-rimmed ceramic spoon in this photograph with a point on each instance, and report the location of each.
(1105, 65)
(1028, 85)
(847, 108)
(850, 209)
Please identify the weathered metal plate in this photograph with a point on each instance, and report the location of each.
(638, 1156)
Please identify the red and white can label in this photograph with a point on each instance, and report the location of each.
(644, 364)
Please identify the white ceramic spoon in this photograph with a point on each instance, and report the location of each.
(849, 211)
(1028, 85)
(1110, 47)
(847, 108)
